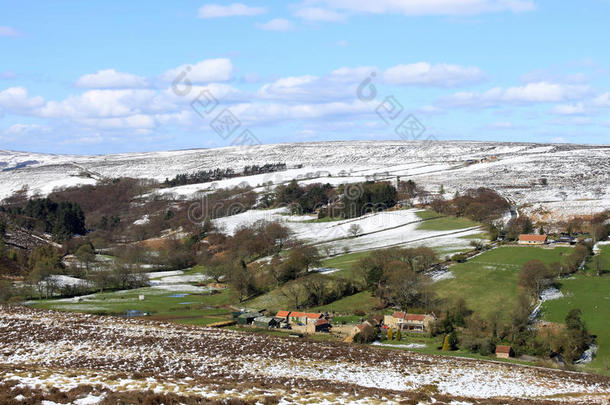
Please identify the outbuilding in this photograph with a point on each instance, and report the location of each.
(504, 352)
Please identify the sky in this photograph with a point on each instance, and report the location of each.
(91, 77)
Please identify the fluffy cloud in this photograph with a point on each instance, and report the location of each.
(209, 70)
(277, 24)
(602, 100)
(17, 99)
(100, 104)
(541, 92)
(318, 14)
(342, 83)
(9, 32)
(425, 74)
(235, 9)
(110, 79)
(23, 129)
(427, 7)
(569, 109)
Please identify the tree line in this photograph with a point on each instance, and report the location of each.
(206, 176)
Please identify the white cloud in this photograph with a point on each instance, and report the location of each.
(569, 109)
(425, 74)
(209, 70)
(100, 104)
(9, 32)
(541, 92)
(23, 129)
(343, 42)
(319, 14)
(17, 98)
(602, 100)
(110, 79)
(428, 7)
(137, 121)
(277, 24)
(231, 10)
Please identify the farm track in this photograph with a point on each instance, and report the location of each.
(49, 351)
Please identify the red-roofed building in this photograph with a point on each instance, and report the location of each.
(283, 314)
(504, 352)
(525, 239)
(410, 322)
(304, 317)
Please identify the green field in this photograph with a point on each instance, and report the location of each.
(446, 224)
(591, 295)
(489, 282)
(360, 301)
(199, 309)
(604, 256)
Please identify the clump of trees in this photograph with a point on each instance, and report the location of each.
(394, 276)
(63, 220)
(480, 204)
(206, 176)
(363, 198)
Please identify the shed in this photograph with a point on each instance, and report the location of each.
(525, 239)
(265, 322)
(247, 318)
(504, 352)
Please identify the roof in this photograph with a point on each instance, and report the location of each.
(409, 317)
(503, 349)
(282, 314)
(532, 238)
(321, 322)
(306, 315)
(249, 315)
(265, 319)
(297, 314)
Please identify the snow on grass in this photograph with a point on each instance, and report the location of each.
(377, 230)
(193, 359)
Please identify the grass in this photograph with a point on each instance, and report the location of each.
(447, 224)
(433, 345)
(325, 219)
(590, 294)
(604, 256)
(348, 264)
(196, 309)
(360, 301)
(427, 214)
(489, 282)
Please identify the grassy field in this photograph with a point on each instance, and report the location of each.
(604, 256)
(199, 309)
(361, 301)
(591, 295)
(446, 224)
(489, 282)
(346, 263)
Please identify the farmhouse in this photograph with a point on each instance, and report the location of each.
(410, 322)
(504, 352)
(283, 315)
(321, 325)
(304, 317)
(525, 239)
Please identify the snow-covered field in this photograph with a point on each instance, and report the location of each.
(49, 351)
(577, 176)
(378, 230)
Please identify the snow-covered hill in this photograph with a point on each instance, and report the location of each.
(577, 176)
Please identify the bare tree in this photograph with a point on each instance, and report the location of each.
(354, 230)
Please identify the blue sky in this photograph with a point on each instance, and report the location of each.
(107, 77)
